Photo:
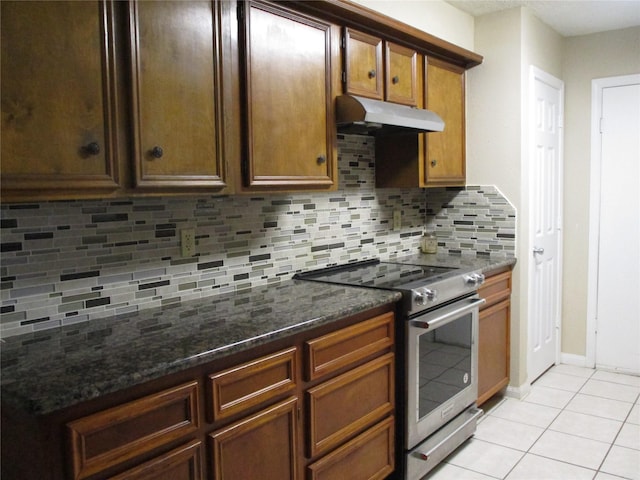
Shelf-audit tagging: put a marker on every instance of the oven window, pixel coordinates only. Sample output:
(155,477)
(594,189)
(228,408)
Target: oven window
(444,366)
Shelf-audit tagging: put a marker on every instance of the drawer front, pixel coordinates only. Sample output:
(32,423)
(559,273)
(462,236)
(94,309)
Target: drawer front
(238,388)
(108,438)
(346,405)
(261,446)
(183,463)
(369,456)
(345,347)
(496,288)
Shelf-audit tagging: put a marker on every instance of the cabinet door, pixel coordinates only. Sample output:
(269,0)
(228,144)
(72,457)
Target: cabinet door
(493,350)
(369,456)
(56,89)
(183,463)
(363,64)
(401,74)
(176,112)
(349,403)
(261,446)
(446,163)
(290,126)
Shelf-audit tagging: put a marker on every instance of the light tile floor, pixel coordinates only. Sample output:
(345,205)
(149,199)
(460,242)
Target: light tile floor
(577,423)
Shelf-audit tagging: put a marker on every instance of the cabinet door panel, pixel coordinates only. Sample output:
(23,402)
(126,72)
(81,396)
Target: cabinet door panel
(261,446)
(363,64)
(369,456)
(446,163)
(493,350)
(177,95)
(401,74)
(344,406)
(289,101)
(57,96)
(183,463)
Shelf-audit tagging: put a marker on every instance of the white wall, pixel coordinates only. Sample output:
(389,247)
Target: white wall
(432,16)
(497,129)
(585,58)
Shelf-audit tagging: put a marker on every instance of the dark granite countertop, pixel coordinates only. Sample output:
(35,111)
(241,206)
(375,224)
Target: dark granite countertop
(46,371)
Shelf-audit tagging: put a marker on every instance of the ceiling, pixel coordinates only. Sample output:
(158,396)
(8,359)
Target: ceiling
(567,17)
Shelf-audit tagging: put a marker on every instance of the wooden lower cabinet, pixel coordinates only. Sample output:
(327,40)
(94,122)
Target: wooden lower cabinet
(494,336)
(262,446)
(319,404)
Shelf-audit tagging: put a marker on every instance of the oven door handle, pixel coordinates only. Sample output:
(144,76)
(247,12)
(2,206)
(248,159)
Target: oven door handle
(448,314)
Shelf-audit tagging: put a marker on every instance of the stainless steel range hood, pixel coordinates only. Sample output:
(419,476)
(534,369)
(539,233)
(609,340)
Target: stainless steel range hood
(365,116)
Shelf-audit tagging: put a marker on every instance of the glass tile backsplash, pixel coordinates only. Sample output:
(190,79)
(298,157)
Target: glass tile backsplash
(72,261)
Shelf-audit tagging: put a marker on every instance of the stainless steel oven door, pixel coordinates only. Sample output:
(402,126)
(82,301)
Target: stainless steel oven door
(442,366)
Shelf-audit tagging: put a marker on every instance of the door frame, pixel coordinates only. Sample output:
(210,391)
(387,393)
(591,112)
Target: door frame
(536,73)
(597,87)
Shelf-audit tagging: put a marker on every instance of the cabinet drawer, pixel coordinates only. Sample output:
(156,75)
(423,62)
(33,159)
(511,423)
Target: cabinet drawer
(183,463)
(339,349)
(344,406)
(107,438)
(369,456)
(261,446)
(496,288)
(238,388)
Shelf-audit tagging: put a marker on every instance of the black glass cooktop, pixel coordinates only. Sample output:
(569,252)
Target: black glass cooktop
(376,274)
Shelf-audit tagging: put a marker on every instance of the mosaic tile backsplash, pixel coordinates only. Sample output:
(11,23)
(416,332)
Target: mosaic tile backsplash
(68,262)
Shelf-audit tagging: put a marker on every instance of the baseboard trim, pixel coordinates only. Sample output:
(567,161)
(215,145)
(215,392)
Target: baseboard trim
(518,392)
(575,360)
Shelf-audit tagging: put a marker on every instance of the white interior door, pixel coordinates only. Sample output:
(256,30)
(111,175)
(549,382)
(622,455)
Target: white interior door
(618,263)
(545,184)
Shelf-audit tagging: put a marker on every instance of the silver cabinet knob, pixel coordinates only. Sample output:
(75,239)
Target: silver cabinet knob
(538,250)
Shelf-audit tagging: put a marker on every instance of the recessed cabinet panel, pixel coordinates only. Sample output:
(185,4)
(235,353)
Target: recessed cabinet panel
(363,64)
(177,96)
(56,90)
(262,446)
(290,123)
(368,456)
(339,409)
(401,74)
(445,157)
(183,463)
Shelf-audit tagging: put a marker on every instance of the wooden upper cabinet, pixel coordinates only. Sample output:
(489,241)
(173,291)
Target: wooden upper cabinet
(56,90)
(177,100)
(445,151)
(289,61)
(363,64)
(401,74)
(379,69)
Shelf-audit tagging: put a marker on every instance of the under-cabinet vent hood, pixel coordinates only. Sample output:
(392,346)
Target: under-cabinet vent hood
(365,116)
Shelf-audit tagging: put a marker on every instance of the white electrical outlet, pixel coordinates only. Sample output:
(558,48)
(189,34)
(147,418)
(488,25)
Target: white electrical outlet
(188,242)
(397,219)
